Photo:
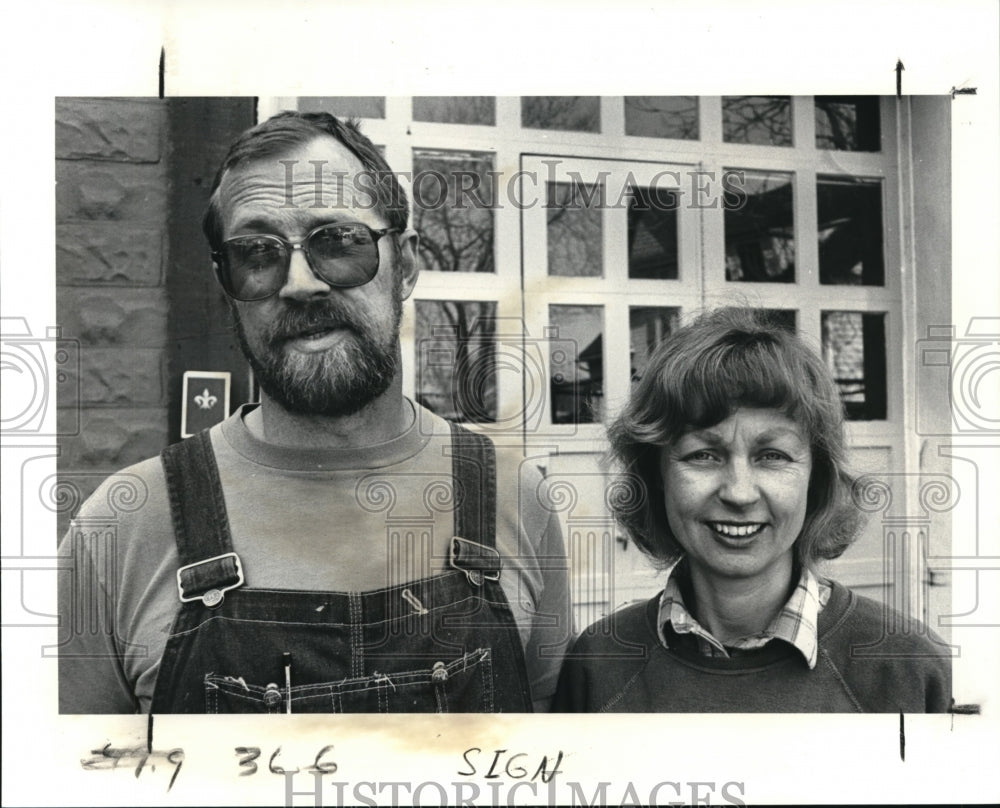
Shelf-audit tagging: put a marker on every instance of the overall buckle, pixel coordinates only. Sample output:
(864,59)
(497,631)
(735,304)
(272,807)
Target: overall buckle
(214,593)
(477,561)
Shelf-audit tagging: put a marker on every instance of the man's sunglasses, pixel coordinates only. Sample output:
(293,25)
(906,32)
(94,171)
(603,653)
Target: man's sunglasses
(341,255)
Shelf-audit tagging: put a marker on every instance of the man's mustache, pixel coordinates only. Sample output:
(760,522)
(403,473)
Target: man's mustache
(305,318)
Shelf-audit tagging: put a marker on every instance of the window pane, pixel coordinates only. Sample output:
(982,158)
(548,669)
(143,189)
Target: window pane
(453,210)
(576,364)
(848,122)
(574,230)
(647,327)
(652,233)
(473,109)
(572,113)
(673,116)
(760,241)
(850,231)
(764,120)
(456,359)
(345,106)
(782,318)
(854,349)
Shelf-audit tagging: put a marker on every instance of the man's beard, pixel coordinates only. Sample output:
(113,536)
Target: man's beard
(337,382)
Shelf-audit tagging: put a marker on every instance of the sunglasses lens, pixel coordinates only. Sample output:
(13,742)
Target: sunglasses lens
(344,254)
(256,267)
(253,267)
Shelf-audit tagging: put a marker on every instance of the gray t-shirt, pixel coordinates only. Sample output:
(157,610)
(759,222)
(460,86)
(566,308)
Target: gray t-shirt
(314,519)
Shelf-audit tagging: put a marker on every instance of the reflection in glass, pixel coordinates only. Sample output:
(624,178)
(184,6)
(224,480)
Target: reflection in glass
(574,229)
(854,350)
(456,359)
(763,120)
(848,122)
(760,237)
(647,327)
(453,196)
(576,364)
(571,113)
(344,106)
(849,213)
(671,116)
(652,233)
(469,109)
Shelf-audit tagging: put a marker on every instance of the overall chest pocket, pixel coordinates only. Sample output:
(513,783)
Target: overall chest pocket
(462,684)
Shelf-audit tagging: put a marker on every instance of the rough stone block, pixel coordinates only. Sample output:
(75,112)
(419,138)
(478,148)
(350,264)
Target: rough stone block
(112,438)
(127,130)
(106,253)
(119,376)
(88,191)
(130,318)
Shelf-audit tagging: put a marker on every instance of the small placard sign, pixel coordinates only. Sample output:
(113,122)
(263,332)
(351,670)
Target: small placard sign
(206,400)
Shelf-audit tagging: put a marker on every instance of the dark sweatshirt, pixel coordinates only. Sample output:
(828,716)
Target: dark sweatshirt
(871,659)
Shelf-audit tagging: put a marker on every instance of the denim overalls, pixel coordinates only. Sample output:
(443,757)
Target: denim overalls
(446,643)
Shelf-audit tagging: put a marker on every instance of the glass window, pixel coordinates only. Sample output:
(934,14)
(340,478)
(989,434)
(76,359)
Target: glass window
(469,109)
(848,123)
(652,233)
(647,327)
(763,120)
(854,349)
(671,116)
(456,359)
(345,106)
(576,364)
(571,113)
(849,213)
(760,236)
(453,195)
(574,229)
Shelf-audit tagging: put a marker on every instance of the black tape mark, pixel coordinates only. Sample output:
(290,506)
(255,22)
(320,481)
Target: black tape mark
(149,734)
(962,91)
(899,78)
(163,64)
(902,737)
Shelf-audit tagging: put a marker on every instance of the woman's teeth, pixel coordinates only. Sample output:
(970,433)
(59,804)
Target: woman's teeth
(736,531)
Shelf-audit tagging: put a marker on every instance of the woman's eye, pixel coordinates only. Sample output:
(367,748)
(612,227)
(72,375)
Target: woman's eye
(701,455)
(773,455)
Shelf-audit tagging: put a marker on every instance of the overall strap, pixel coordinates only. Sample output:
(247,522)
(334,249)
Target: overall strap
(473,466)
(209,566)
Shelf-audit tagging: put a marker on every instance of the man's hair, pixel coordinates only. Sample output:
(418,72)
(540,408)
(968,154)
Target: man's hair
(702,373)
(287,131)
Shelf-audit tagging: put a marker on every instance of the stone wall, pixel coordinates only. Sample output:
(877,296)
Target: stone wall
(112,192)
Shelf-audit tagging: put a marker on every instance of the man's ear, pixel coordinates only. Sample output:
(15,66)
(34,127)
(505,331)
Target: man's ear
(407,243)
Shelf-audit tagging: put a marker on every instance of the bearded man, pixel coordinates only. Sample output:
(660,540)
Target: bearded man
(268,568)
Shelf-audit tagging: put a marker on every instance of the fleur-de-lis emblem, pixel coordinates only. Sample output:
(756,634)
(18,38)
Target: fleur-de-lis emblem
(206,400)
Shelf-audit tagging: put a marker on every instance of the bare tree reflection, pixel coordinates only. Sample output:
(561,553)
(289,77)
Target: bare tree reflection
(453,196)
(464,109)
(662,116)
(758,119)
(574,113)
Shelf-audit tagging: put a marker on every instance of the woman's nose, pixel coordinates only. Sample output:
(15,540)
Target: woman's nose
(739,484)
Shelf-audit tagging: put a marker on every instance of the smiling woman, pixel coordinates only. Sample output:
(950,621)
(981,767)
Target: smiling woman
(735,437)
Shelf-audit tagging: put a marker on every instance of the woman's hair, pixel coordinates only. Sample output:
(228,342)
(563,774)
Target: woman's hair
(726,359)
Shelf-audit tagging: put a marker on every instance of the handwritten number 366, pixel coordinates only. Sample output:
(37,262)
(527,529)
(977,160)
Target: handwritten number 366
(249,754)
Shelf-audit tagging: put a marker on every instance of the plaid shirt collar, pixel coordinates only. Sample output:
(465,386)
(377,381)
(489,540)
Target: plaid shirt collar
(795,623)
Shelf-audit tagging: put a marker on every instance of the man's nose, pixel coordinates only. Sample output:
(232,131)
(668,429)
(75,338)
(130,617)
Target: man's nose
(302,283)
(739,484)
